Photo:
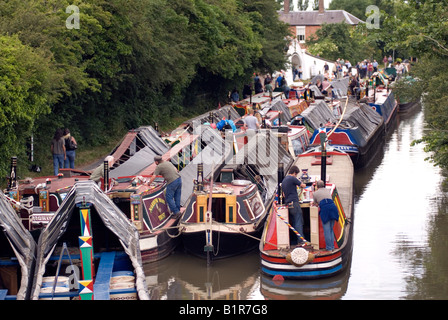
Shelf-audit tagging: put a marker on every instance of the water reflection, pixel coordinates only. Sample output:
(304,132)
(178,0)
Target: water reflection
(184,277)
(322,289)
(393,211)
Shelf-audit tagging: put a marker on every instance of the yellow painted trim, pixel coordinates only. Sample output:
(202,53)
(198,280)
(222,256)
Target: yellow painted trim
(231,203)
(201,203)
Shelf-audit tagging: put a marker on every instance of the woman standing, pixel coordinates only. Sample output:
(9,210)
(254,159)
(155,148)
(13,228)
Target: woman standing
(70,149)
(58,150)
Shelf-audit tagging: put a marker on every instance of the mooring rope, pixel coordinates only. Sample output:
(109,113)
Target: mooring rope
(292,228)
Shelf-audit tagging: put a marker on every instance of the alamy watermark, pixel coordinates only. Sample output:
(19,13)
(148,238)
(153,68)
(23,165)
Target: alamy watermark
(373,17)
(214,147)
(72,22)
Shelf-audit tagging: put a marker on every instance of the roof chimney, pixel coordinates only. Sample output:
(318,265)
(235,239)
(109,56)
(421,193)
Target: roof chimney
(286,6)
(321,6)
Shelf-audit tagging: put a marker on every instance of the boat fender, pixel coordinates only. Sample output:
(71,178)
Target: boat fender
(278,279)
(299,257)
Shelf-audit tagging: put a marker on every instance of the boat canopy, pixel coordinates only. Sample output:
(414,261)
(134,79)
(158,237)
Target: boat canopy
(277,105)
(88,192)
(318,114)
(340,87)
(263,153)
(137,149)
(20,241)
(215,154)
(217,115)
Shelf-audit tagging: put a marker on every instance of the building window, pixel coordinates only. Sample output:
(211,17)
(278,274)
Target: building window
(300,31)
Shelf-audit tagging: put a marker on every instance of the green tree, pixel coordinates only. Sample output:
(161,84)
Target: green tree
(26,91)
(134,63)
(421,30)
(341,40)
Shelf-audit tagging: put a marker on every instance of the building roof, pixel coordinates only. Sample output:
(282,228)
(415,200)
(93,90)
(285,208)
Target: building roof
(315,18)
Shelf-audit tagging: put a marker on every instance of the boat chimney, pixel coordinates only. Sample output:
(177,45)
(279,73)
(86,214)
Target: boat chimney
(323,164)
(280,177)
(200,186)
(106,175)
(210,115)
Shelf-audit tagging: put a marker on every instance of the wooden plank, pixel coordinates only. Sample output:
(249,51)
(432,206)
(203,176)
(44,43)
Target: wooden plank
(124,145)
(101,287)
(282,228)
(340,173)
(314,227)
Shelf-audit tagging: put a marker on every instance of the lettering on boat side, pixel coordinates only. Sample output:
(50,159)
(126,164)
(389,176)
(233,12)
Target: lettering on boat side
(233,309)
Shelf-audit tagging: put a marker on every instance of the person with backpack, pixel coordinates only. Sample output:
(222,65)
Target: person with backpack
(70,149)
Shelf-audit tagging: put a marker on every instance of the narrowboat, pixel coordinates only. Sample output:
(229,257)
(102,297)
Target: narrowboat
(359,131)
(17,254)
(89,251)
(279,259)
(382,100)
(145,206)
(40,197)
(406,104)
(224,215)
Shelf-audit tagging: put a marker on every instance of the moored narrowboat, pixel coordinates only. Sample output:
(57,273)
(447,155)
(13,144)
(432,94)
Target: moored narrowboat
(225,214)
(145,206)
(86,244)
(17,254)
(360,133)
(281,260)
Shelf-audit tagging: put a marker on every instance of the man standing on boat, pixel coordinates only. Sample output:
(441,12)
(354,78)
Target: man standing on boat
(250,121)
(174,183)
(98,173)
(289,188)
(328,213)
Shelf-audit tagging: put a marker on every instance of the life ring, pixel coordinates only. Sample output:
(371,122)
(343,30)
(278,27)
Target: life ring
(299,257)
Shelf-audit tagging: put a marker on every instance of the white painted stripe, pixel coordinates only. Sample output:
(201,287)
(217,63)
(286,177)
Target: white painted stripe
(309,266)
(148,243)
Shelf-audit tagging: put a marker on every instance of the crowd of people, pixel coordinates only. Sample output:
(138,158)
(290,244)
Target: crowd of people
(262,83)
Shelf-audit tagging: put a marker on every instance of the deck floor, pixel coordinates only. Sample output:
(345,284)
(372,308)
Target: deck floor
(340,172)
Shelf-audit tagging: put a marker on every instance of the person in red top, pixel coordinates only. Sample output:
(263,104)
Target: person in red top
(369,69)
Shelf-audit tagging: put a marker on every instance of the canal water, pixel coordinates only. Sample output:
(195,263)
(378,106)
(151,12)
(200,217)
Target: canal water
(400,240)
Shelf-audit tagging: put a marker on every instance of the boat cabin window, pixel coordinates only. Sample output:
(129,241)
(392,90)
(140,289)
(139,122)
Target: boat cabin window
(226,176)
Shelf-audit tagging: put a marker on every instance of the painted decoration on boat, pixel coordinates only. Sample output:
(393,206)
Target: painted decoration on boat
(156,209)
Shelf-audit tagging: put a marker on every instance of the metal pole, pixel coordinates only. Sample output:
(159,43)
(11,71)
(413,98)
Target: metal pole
(106,175)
